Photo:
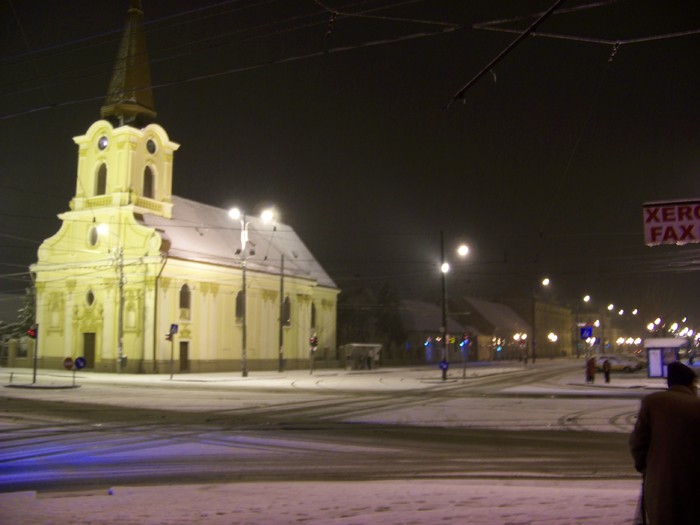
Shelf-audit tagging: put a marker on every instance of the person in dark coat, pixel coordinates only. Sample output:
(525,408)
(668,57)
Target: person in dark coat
(590,370)
(664,446)
(606,370)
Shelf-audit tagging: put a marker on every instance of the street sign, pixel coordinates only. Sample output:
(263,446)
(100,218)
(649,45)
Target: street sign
(586,332)
(68,363)
(674,222)
(80,363)
(173,329)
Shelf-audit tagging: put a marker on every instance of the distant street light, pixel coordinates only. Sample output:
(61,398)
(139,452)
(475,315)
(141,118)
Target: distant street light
(545,282)
(462,250)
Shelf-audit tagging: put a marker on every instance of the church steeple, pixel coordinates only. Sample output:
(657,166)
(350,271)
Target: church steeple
(130,98)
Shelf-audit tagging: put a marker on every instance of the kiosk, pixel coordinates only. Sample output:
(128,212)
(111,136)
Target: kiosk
(660,353)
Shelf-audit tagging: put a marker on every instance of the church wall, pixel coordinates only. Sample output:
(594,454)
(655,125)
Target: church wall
(212,332)
(78,311)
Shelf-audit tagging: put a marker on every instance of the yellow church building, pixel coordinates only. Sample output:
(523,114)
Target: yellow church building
(131,262)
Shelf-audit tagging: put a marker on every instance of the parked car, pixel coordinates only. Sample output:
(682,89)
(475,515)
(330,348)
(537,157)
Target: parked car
(618,363)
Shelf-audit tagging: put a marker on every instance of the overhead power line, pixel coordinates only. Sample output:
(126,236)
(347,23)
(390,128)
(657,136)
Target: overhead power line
(505,52)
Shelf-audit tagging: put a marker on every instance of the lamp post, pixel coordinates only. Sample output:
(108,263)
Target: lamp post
(545,282)
(462,250)
(280,365)
(578,329)
(238,215)
(103,229)
(268,216)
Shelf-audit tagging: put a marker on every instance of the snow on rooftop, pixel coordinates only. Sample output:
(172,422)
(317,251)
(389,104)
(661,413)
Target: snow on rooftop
(502,317)
(204,233)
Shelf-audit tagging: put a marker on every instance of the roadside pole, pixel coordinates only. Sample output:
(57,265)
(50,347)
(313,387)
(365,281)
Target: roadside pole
(170,336)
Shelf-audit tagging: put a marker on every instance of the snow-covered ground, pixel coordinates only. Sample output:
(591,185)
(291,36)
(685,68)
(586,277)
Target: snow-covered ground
(459,501)
(477,502)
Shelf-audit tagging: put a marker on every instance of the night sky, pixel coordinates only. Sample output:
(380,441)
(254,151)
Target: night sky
(347,123)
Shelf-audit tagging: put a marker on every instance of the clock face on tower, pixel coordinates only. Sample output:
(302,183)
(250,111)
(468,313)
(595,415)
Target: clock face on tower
(102,143)
(151,146)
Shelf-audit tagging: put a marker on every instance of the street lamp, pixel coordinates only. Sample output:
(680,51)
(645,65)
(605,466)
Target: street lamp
(237,215)
(545,282)
(103,229)
(553,338)
(463,251)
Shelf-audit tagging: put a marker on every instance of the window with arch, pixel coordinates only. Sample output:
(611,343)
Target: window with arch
(101,180)
(185,301)
(240,305)
(148,182)
(313,315)
(287,312)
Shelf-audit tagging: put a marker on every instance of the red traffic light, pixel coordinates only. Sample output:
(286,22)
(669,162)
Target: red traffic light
(32,332)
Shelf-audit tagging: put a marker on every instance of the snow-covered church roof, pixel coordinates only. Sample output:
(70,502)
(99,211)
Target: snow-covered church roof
(203,233)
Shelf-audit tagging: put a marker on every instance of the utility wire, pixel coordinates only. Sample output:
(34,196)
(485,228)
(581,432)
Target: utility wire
(504,53)
(231,71)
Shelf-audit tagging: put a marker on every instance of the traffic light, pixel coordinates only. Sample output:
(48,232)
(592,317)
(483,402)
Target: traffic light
(33,331)
(313,341)
(465,340)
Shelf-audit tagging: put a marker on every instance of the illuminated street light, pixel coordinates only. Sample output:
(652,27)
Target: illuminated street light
(586,298)
(463,250)
(545,282)
(238,215)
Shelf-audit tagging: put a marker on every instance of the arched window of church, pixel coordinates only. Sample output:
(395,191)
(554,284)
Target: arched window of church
(240,305)
(287,312)
(148,182)
(313,315)
(101,181)
(185,299)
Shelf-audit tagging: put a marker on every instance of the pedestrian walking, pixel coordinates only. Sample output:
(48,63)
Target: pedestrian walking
(590,370)
(664,446)
(606,370)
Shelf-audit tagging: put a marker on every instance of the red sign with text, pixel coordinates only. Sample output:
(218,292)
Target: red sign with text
(676,222)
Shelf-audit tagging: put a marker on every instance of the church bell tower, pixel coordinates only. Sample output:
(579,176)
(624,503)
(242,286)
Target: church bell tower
(95,278)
